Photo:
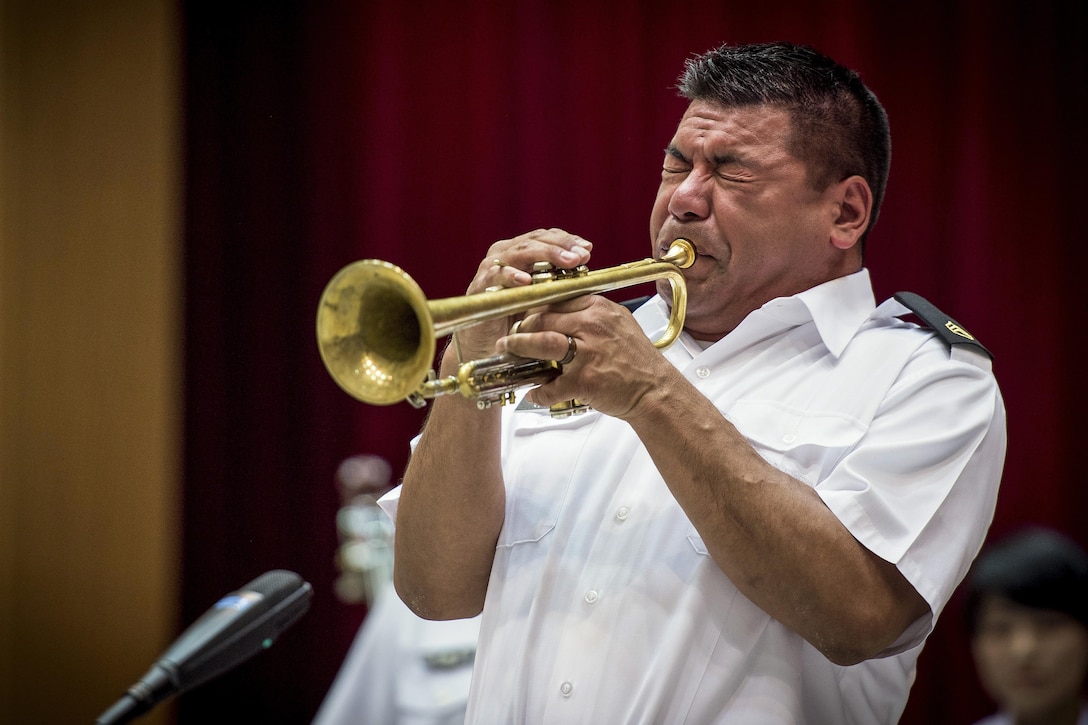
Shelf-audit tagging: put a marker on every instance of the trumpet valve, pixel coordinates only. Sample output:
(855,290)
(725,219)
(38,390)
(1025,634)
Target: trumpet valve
(567,408)
(547,272)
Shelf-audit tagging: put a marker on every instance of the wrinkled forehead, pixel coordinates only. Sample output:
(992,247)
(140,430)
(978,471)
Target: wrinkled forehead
(715,129)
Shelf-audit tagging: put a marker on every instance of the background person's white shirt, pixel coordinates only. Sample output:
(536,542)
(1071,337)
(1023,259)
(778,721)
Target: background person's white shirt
(403,670)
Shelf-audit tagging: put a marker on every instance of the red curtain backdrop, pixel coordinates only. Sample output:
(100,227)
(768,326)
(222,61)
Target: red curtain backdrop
(419,132)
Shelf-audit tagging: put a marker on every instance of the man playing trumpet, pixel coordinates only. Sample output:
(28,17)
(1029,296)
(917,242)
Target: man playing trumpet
(760,523)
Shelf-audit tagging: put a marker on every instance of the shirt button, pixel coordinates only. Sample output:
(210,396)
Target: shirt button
(622,513)
(591,596)
(789,438)
(703,373)
(566,688)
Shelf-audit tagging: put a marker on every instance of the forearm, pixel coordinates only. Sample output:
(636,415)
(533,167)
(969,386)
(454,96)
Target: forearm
(771,534)
(453,498)
(450,511)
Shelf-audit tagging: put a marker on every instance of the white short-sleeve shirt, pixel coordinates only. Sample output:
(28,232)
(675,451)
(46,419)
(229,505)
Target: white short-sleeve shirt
(403,670)
(603,605)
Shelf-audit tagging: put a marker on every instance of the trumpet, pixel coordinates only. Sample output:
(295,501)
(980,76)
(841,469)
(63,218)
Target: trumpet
(376,330)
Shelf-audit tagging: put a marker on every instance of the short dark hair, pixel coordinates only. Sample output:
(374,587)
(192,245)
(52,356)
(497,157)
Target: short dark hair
(839,128)
(1036,568)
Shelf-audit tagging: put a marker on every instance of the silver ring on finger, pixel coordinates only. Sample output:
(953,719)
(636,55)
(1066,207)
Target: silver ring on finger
(572,350)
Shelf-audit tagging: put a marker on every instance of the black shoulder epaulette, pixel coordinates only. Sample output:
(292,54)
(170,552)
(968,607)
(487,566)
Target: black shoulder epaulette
(635,303)
(948,329)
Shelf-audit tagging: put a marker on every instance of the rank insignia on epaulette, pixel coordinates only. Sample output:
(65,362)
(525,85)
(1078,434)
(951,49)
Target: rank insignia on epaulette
(952,332)
(957,330)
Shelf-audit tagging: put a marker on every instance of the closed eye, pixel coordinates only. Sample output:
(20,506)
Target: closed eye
(731,168)
(675,162)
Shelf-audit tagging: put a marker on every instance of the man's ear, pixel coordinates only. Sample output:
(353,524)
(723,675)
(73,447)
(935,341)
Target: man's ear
(854,206)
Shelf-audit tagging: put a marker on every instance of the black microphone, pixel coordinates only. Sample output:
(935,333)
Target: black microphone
(239,626)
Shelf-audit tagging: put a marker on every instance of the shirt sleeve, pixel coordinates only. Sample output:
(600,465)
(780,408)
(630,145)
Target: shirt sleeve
(920,488)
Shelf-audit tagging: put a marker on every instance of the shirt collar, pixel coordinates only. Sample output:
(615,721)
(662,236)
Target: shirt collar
(838,308)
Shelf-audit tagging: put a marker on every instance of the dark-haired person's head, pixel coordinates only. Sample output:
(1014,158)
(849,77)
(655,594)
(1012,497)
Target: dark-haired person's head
(1027,614)
(840,129)
(775,173)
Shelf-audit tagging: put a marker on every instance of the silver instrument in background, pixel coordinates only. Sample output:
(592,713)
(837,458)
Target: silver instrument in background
(365,554)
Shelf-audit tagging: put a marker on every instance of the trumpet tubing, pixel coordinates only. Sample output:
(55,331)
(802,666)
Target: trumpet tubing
(376,330)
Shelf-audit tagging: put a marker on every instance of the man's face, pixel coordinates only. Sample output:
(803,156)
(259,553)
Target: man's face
(1033,662)
(730,186)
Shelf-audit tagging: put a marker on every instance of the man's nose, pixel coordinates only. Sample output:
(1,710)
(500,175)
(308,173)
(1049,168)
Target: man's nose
(691,199)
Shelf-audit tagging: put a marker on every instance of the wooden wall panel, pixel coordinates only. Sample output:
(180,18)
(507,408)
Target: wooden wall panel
(89,351)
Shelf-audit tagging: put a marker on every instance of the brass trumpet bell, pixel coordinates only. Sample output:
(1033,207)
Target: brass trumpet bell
(376,331)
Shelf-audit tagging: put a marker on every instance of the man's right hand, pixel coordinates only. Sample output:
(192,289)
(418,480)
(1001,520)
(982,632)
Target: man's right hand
(508,264)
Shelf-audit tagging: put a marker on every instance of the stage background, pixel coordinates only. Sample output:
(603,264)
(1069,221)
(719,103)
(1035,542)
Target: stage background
(313,134)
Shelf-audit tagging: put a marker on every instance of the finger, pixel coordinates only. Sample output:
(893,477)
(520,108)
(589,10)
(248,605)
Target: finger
(558,238)
(553,311)
(548,345)
(528,323)
(572,351)
(564,316)
(554,246)
(501,274)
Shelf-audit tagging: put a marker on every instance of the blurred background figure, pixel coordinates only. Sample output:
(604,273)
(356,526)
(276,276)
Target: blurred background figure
(365,556)
(400,670)
(1027,615)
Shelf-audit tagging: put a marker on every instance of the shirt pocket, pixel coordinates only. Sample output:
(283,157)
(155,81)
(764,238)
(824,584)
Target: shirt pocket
(806,444)
(537,479)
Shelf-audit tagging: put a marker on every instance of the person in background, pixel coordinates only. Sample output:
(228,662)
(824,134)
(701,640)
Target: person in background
(400,669)
(1027,615)
(403,670)
(760,523)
